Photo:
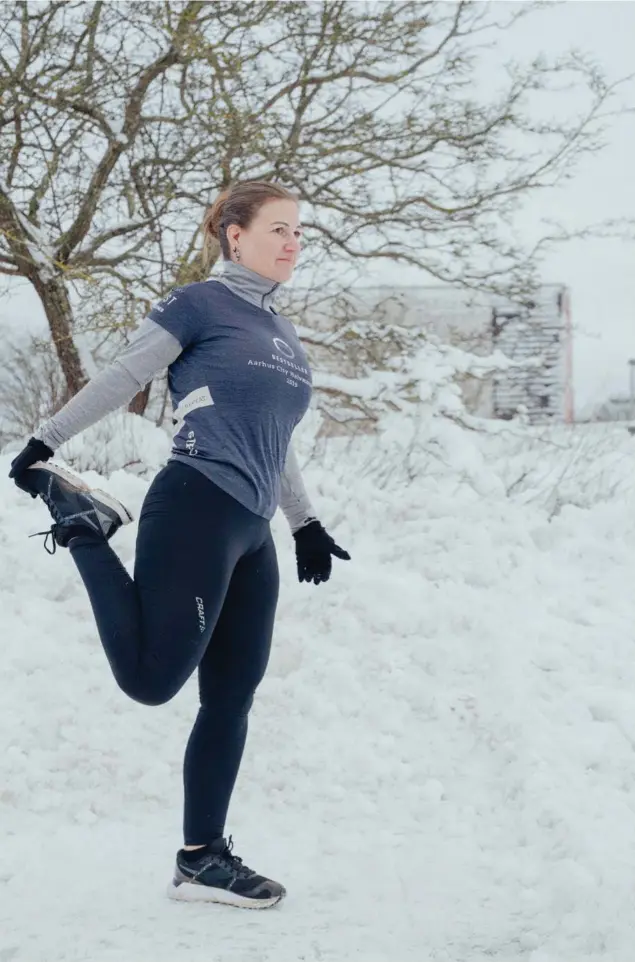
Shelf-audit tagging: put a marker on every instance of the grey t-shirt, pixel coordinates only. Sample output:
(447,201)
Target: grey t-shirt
(239,388)
(180,339)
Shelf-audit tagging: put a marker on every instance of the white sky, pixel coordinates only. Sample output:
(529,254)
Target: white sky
(600,273)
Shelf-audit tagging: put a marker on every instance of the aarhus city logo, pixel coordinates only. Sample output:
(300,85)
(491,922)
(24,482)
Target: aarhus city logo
(284,348)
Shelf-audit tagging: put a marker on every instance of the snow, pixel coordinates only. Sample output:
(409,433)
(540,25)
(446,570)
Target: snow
(38,246)
(441,759)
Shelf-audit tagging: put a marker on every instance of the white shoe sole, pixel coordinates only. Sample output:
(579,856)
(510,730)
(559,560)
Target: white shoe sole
(193,892)
(120,509)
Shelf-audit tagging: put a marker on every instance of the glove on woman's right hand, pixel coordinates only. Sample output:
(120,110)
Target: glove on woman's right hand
(34,451)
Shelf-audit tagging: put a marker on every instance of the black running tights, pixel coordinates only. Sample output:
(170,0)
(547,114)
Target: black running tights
(204,596)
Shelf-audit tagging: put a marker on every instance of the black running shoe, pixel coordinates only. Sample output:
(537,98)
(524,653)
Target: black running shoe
(76,508)
(220,876)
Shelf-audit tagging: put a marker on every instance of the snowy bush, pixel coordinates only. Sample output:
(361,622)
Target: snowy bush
(364,369)
(120,441)
(413,398)
(424,435)
(558,465)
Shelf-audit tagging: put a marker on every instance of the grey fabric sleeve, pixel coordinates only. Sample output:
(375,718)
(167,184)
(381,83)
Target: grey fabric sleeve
(294,501)
(151,350)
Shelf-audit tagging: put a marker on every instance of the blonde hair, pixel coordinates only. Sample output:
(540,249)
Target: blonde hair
(237,204)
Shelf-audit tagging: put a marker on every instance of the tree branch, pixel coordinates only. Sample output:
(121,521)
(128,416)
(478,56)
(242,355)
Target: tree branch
(81,225)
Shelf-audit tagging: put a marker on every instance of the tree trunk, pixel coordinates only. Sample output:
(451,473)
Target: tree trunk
(58,312)
(139,402)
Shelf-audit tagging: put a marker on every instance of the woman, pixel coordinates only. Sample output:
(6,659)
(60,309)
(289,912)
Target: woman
(205,584)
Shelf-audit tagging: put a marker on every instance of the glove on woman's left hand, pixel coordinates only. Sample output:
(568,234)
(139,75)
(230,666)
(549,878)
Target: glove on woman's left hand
(313,550)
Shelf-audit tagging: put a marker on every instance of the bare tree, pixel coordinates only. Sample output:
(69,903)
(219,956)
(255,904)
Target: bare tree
(31,387)
(120,121)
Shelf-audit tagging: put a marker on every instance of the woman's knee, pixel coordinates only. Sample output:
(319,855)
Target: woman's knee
(150,692)
(227,701)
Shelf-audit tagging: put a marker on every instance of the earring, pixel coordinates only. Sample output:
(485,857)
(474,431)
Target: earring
(237,253)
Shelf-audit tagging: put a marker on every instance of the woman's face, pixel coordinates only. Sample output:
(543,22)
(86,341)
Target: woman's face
(272,245)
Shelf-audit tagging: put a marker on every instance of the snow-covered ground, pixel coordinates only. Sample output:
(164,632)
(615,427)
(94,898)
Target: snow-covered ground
(441,760)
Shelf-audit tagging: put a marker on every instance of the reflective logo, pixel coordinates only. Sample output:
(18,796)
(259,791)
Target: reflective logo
(283,347)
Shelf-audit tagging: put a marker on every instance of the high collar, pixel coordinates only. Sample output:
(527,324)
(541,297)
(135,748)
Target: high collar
(255,288)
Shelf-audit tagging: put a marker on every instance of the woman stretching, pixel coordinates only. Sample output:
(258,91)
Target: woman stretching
(205,582)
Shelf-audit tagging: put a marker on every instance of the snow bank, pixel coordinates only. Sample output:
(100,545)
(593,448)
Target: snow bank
(441,761)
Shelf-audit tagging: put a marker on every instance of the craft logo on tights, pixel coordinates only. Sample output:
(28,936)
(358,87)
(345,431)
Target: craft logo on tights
(200,610)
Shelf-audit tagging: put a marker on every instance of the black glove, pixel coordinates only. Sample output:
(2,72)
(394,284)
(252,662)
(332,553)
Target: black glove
(313,550)
(34,451)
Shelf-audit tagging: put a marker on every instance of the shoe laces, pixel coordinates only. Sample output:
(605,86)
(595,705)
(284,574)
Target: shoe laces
(235,862)
(57,515)
(48,534)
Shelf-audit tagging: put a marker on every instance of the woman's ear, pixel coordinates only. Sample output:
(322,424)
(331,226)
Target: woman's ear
(233,234)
